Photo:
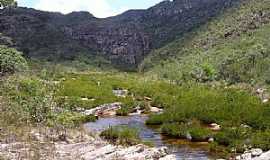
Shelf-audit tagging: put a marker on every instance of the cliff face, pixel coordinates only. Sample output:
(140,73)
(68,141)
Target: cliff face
(124,39)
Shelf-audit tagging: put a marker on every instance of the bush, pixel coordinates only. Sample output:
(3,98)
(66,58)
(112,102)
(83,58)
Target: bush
(11,61)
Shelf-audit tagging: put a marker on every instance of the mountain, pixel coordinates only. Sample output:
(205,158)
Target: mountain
(233,47)
(124,39)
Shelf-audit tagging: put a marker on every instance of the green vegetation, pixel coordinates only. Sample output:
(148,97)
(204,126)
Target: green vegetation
(122,135)
(7,3)
(233,47)
(11,61)
(193,86)
(231,108)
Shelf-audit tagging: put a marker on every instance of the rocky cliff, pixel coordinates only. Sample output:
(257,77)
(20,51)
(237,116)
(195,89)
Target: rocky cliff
(124,39)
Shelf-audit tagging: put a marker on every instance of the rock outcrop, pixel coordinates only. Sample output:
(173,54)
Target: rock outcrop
(82,147)
(124,39)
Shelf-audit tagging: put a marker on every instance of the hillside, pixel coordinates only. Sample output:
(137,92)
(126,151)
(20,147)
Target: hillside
(124,39)
(233,47)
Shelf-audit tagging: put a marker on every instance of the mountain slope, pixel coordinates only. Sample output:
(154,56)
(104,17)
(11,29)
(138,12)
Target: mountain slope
(124,39)
(233,47)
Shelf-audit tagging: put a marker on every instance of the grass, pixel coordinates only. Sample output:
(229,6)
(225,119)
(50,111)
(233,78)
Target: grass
(52,101)
(197,132)
(122,135)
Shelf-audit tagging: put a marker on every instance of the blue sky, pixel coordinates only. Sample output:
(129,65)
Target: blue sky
(100,8)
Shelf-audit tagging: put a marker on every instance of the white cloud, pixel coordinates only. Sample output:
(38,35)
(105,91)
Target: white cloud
(99,8)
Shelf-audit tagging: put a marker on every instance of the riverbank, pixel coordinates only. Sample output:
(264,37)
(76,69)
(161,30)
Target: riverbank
(49,144)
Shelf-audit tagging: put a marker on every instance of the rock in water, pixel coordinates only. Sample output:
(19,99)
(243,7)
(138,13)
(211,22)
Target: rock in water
(105,109)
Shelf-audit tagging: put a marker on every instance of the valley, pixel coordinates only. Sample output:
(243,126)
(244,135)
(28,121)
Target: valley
(180,80)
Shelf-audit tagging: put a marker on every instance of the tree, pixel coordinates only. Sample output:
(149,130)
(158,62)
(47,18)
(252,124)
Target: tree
(7,3)
(11,61)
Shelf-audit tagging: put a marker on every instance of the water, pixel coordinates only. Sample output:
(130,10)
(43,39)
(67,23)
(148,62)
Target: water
(182,149)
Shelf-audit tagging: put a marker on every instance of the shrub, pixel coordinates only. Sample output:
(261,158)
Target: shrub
(11,61)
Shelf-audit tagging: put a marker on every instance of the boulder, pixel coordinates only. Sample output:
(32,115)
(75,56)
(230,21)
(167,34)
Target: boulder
(263,156)
(256,152)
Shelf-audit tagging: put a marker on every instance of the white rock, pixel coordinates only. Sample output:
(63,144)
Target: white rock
(155,110)
(264,156)
(211,139)
(265,100)
(120,93)
(215,127)
(256,152)
(84,99)
(188,136)
(246,156)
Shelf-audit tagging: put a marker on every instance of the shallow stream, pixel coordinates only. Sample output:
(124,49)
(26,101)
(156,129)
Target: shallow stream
(181,148)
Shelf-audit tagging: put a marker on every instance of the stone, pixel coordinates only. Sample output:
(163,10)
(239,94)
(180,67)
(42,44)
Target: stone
(210,140)
(105,109)
(246,156)
(256,152)
(265,100)
(263,156)
(215,127)
(188,136)
(84,99)
(120,93)
(155,110)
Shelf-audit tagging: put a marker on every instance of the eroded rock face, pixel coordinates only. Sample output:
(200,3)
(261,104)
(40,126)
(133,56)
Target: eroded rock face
(124,39)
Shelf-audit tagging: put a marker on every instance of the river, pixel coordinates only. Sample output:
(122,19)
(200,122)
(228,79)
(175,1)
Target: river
(181,148)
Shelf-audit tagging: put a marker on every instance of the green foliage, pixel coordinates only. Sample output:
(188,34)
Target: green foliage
(30,94)
(232,47)
(122,135)
(261,139)
(71,119)
(175,130)
(11,61)
(198,133)
(7,3)
(123,111)
(228,136)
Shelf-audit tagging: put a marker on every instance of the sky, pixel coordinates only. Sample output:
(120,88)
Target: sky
(99,8)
